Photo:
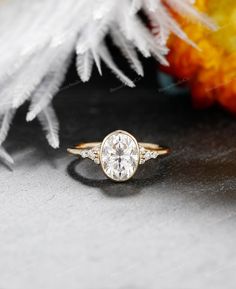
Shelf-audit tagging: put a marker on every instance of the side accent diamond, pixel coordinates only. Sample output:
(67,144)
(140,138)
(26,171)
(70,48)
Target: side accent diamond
(146,155)
(92,154)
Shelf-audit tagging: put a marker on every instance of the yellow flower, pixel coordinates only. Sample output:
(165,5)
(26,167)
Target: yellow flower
(212,70)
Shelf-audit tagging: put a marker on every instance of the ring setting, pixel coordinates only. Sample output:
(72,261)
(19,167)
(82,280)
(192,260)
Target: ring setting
(119,154)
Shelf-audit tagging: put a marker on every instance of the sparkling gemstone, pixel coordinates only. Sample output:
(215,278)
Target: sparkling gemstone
(119,156)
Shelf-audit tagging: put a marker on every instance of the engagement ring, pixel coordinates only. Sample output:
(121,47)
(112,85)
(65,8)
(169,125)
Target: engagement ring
(119,154)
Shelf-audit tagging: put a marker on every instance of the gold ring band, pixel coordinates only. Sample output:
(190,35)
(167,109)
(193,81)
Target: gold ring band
(119,154)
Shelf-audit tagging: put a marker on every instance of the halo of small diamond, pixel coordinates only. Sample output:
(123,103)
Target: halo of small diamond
(119,156)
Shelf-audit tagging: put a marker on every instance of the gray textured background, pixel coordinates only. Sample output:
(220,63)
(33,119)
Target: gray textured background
(63,226)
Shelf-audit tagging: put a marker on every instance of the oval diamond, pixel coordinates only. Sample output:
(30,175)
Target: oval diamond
(119,156)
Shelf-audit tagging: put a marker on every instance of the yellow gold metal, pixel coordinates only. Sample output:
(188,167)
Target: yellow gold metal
(155,148)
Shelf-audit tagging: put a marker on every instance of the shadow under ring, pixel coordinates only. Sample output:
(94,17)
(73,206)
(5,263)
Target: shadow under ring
(101,183)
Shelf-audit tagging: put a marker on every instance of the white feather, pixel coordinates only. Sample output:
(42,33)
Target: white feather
(49,86)
(128,51)
(23,86)
(136,6)
(37,37)
(84,65)
(106,57)
(5,124)
(5,157)
(152,5)
(185,8)
(97,61)
(169,25)
(50,125)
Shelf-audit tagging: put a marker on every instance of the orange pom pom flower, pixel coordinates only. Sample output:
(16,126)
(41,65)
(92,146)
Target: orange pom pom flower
(211,70)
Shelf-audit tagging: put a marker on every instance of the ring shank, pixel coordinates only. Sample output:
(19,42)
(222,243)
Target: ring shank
(155,148)
(148,146)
